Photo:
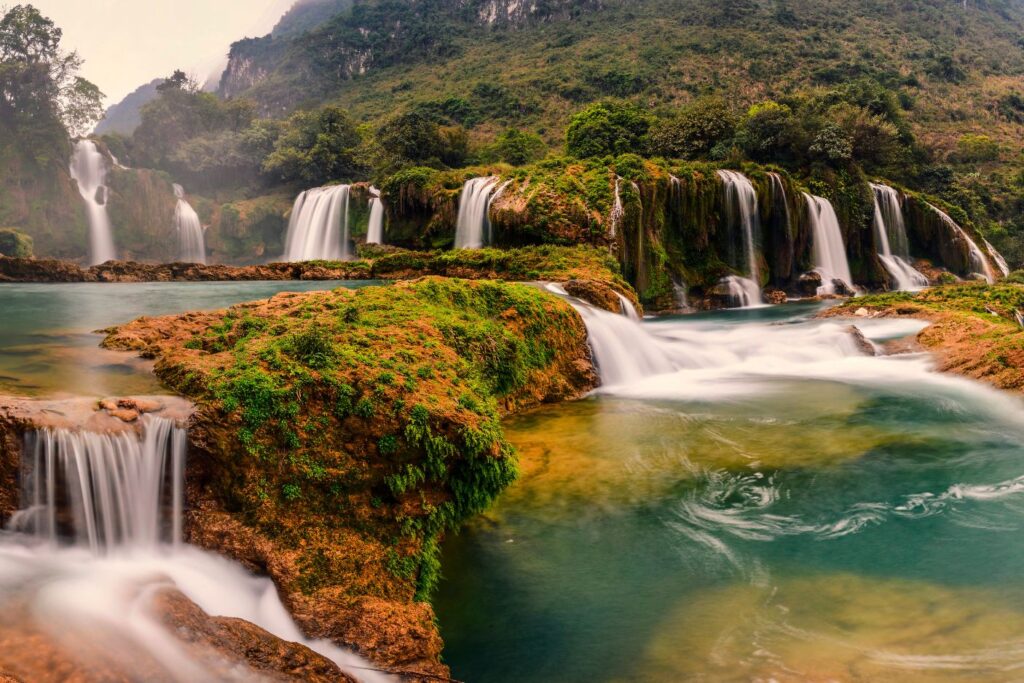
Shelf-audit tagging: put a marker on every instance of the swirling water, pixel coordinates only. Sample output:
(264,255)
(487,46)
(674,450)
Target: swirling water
(767,503)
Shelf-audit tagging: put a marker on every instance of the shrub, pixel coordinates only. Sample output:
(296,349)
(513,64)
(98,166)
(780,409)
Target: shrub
(971,148)
(15,243)
(695,130)
(607,128)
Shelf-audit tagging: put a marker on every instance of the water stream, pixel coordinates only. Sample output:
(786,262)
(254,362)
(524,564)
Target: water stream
(742,213)
(89,169)
(473,230)
(189,229)
(829,250)
(319,225)
(893,246)
(750,496)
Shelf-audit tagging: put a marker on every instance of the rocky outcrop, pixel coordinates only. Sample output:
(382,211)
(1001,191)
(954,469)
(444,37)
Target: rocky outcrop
(338,434)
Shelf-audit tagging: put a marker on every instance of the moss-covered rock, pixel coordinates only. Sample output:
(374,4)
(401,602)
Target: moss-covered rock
(15,243)
(339,434)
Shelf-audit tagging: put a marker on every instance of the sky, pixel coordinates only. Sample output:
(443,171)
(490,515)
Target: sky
(126,43)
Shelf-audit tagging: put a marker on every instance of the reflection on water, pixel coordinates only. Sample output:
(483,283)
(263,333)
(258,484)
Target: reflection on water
(832,516)
(49,345)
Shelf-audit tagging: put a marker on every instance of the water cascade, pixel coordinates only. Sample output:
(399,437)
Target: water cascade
(191,243)
(741,209)
(1004,267)
(89,169)
(893,246)
(375,231)
(319,225)
(118,499)
(473,230)
(618,211)
(978,263)
(829,251)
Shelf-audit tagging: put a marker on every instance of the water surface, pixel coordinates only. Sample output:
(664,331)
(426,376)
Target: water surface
(778,507)
(49,344)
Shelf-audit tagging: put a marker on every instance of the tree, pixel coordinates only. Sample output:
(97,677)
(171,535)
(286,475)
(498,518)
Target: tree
(694,131)
(607,128)
(517,147)
(768,132)
(40,89)
(316,147)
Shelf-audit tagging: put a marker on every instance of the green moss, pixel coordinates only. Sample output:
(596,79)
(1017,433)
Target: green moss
(15,243)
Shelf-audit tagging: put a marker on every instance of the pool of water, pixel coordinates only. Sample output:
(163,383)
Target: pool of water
(49,344)
(779,507)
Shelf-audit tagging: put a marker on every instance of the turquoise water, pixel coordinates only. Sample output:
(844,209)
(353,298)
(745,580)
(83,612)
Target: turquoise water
(48,339)
(780,509)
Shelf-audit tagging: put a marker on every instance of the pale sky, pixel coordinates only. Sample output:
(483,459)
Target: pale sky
(126,43)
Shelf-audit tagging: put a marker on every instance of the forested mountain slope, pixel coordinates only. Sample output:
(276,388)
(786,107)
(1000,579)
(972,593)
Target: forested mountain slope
(488,63)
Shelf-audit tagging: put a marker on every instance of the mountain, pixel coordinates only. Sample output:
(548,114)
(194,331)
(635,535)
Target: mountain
(124,117)
(959,66)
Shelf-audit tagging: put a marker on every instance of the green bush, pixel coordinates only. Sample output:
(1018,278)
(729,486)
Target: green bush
(15,243)
(607,128)
(694,131)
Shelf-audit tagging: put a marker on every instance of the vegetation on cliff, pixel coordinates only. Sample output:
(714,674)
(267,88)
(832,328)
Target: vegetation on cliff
(347,430)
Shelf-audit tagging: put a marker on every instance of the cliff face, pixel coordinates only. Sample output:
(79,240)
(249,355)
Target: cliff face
(339,434)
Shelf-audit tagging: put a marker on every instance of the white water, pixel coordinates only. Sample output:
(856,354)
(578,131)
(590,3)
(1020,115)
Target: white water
(375,231)
(893,246)
(1004,267)
(618,212)
(89,169)
(741,209)
(978,263)
(743,292)
(319,226)
(829,251)
(117,499)
(191,241)
(473,230)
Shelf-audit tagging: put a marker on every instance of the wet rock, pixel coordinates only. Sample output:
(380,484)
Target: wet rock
(775,296)
(599,294)
(864,345)
(809,283)
(141,405)
(124,414)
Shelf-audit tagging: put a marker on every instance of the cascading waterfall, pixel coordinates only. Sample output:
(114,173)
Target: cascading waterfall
(319,226)
(375,231)
(1001,263)
(191,242)
(114,485)
(473,230)
(894,248)
(829,251)
(104,514)
(741,210)
(618,211)
(89,169)
(978,263)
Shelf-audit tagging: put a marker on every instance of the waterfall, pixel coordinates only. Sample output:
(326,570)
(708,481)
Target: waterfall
(89,169)
(473,230)
(829,252)
(894,248)
(741,209)
(375,231)
(618,212)
(191,243)
(978,263)
(1004,268)
(117,500)
(318,228)
(627,307)
(119,489)
(742,292)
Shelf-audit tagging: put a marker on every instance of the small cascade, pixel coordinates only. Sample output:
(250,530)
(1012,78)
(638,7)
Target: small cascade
(89,169)
(375,231)
(679,294)
(473,230)
(618,211)
(1000,262)
(742,292)
(108,510)
(978,263)
(319,226)
(623,350)
(829,251)
(741,210)
(104,490)
(191,242)
(627,307)
(893,246)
